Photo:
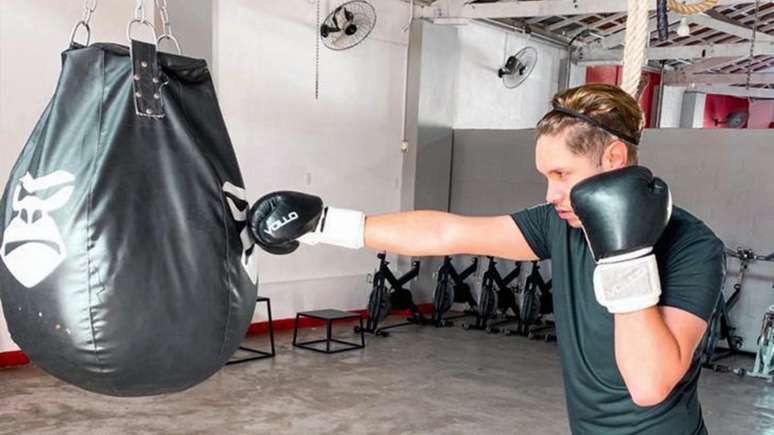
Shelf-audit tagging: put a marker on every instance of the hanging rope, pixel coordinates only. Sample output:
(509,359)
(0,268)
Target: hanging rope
(691,9)
(634,45)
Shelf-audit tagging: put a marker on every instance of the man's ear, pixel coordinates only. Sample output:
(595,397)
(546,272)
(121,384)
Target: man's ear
(616,155)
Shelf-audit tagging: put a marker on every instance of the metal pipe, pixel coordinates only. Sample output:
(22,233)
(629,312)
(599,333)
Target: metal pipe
(660,104)
(407,28)
(557,42)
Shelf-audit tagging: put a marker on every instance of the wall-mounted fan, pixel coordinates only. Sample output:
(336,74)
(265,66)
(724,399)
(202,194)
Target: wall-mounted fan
(735,119)
(348,25)
(518,67)
(344,27)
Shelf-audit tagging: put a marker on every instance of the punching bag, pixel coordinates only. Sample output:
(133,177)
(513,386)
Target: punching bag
(127,268)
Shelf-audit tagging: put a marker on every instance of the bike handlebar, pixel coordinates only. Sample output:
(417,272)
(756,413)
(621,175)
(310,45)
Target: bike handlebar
(749,255)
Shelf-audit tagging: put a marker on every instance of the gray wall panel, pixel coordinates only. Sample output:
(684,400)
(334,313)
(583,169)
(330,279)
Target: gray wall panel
(721,176)
(494,172)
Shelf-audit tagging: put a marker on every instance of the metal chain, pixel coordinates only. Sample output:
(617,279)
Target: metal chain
(165,22)
(89,6)
(752,46)
(317,55)
(139,12)
(140,19)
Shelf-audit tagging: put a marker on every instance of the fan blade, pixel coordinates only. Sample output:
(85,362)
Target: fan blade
(342,17)
(335,17)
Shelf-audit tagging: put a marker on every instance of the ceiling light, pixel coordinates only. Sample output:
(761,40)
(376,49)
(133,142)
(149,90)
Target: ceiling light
(683,29)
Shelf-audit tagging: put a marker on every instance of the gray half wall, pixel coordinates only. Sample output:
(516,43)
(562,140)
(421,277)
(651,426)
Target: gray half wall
(722,176)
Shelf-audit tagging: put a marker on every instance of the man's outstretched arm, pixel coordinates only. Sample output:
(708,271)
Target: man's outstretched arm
(280,220)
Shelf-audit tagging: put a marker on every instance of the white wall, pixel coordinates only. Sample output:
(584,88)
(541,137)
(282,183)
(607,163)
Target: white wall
(481,100)
(671,107)
(344,146)
(192,25)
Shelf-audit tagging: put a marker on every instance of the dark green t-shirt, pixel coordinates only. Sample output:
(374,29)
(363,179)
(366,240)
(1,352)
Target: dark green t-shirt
(691,266)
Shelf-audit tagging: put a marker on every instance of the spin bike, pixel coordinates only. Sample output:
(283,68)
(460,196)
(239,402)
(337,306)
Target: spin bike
(536,302)
(382,299)
(452,288)
(496,296)
(720,327)
(764,358)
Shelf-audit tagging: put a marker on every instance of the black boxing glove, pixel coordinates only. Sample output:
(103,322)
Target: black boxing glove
(280,220)
(623,213)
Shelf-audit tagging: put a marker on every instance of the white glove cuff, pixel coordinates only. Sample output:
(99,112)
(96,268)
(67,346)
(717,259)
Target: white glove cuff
(339,227)
(627,286)
(624,257)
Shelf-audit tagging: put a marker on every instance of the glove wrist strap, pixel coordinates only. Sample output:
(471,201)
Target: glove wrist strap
(627,286)
(338,227)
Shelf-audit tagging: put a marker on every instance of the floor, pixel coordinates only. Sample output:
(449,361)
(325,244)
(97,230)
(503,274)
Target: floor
(419,380)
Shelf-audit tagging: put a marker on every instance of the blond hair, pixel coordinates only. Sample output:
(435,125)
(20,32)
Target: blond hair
(607,104)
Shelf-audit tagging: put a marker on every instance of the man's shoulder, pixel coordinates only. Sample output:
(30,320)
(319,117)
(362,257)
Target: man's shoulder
(687,232)
(544,212)
(539,225)
(691,263)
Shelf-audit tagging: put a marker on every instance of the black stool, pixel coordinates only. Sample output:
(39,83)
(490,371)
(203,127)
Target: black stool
(258,354)
(329,315)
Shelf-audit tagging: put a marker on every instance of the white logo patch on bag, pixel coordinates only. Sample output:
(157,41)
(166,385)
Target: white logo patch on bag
(32,243)
(237,203)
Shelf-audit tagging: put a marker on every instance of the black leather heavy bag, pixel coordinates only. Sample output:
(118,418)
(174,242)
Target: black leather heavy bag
(126,266)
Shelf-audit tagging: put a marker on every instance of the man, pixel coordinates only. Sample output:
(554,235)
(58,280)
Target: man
(634,279)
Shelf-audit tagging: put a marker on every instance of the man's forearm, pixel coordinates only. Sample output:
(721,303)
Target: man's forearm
(648,355)
(417,233)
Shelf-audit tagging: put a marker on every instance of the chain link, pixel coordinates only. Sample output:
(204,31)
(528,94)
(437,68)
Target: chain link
(89,6)
(139,12)
(752,46)
(166,24)
(317,55)
(163,12)
(140,19)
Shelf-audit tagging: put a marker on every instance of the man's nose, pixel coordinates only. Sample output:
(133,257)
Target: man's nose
(553,194)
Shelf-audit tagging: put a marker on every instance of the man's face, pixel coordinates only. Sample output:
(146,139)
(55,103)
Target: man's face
(563,170)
